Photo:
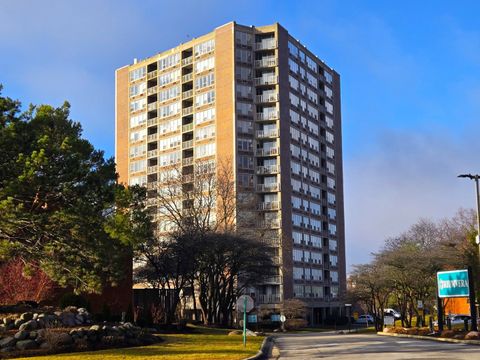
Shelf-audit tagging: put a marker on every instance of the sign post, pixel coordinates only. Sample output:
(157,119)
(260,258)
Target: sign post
(244,304)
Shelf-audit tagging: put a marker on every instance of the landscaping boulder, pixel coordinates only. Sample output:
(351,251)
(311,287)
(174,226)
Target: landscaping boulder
(63,339)
(7,342)
(473,335)
(26,345)
(18,322)
(3,328)
(21,335)
(448,333)
(29,325)
(7,349)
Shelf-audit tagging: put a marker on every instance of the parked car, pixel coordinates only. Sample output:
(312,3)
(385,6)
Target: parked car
(364,319)
(392,312)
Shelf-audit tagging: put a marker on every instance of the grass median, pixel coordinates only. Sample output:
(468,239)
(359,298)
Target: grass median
(204,344)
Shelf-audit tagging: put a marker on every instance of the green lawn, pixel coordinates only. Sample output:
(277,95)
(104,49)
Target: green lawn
(205,344)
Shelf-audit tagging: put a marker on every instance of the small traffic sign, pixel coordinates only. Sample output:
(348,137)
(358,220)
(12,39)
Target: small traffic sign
(245,303)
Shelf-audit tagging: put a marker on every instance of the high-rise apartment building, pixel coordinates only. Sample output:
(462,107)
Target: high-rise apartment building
(261,98)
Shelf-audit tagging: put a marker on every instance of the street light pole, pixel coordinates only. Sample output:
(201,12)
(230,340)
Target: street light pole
(477,190)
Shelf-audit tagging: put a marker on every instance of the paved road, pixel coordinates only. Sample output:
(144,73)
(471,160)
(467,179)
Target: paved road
(357,346)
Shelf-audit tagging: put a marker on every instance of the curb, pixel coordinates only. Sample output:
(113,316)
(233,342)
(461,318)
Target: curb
(419,337)
(264,349)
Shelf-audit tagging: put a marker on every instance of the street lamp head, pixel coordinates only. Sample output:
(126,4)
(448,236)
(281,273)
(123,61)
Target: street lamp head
(469,176)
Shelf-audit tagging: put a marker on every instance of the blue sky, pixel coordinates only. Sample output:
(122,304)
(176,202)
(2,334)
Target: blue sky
(410,85)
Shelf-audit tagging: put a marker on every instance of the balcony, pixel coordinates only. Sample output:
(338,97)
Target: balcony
(152,137)
(266,62)
(187,61)
(187,127)
(271,115)
(268,299)
(152,106)
(270,224)
(187,144)
(268,169)
(187,77)
(152,121)
(268,187)
(277,260)
(152,201)
(267,206)
(187,161)
(152,169)
(152,185)
(152,153)
(187,94)
(152,74)
(188,178)
(152,90)
(266,98)
(265,134)
(266,80)
(266,45)
(267,152)
(276,279)
(187,111)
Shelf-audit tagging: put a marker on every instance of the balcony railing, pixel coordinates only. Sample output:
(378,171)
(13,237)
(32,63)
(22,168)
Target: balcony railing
(267,152)
(151,90)
(188,178)
(187,111)
(272,115)
(187,77)
(187,144)
(187,161)
(152,153)
(187,127)
(272,205)
(152,121)
(272,133)
(266,45)
(270,224)
(152,106)
(276,279)
(152,74)
(152,169)
(268,169)
(187,61)
(266,80)
(268,299)
(152,185)
(152,137)
(152,201)
(187,94)
(266,98)
(268,187)
(266,62)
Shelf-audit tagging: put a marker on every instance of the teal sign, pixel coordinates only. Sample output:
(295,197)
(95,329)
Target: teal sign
(453,283)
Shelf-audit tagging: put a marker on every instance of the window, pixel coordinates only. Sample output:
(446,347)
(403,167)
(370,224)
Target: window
(298,291)
(137,73)
(243,55)
(329,107)
(294,116)
(328,77)
(170,142)
(245,109)
(204,65)
(293,82)
(169,77)
(205,98)
(136,166)
(314,175)
(204,132)
(316,257)
(312,127)
(297,237)
(312,111)
(312,65)
(205,150)
(316,274)
(316,241)
(293,66)
(138,105)
(204,47)
(245,144)
(333,260)
(292,49)
(297,219)
(245,127)
(297,255)
(295,167)
(330,152)
(312,96)
(329,121)
(138,180)
(138,150)
(296,202)
(169,126)
(294,133)
(168,61)
(332,214)
(170,158)
(315,192)
(334,276)
(330,167)
(332,244)
(138,120)
(315,208)
(243,73)
(298,273)
(204,116)
(243,38)
(245,180)
(331,183)
(313,143)
(328,91)
(301,56)
(296,185)
(204,81)
(331,198)
(244,91)
(138,89)
(245,162)
(312,80)
(329,137)
(169,110)
(169,93)
(294,100)
(138,135)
